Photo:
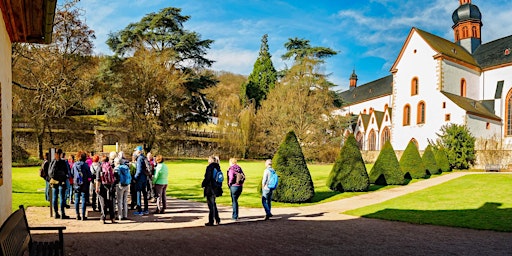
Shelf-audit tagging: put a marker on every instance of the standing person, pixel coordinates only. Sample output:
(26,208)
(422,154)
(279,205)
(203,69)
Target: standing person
(236,178)
(123,185)
(105,189)
(58,172)
(151,189)
(70,193)
(81,184)
(160,184)
(95,171)
(211,191)
(266,191)
(133,189)
(141,178)
(43,173)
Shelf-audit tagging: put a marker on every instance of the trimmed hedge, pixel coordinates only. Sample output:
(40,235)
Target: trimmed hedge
(349,171)
(442,160)
(295,183)
(412,164)
(386,170)
(429,160)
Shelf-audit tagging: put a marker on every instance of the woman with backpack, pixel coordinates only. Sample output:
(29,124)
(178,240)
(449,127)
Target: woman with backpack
(81,182)
(123,185)
(211,190)
(160,184)
(105,190)
(236,178)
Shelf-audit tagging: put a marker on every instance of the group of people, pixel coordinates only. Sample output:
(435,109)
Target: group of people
(212,187)
(104,182)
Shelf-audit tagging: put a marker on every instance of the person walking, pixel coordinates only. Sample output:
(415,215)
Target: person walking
(211,191)
(141,178)
(58,172)
(122,187)
(160,180)
(81,184)
(236,177)
(266,192)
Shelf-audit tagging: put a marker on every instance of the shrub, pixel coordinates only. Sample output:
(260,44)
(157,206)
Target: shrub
(411,164)
(429,160)
(459,145)
(386,170)
(295,183)
(442,159)
(349,171)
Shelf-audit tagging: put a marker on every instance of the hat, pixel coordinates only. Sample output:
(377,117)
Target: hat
(138,148)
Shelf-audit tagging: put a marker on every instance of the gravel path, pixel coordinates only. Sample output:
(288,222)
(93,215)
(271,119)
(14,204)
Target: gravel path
(312,230)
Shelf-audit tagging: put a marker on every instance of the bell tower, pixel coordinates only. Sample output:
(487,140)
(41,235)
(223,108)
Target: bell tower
(353,80)
(467,25)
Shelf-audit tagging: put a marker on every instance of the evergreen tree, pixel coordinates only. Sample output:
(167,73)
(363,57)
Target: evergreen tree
(429,160)
(349,171)
(411,163)
(442,159)
(459,145)
(386,170)
(295,183)
(262,79)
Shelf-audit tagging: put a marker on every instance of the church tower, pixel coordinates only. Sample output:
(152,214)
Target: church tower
(467,27)
(353,80)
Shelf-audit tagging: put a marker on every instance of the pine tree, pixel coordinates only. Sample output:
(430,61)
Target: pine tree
(386,170)
(295,183)
(349,171)
(262,79)
(429,160)
(412,164)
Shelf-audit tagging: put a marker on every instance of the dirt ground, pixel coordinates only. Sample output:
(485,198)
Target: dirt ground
(313,230)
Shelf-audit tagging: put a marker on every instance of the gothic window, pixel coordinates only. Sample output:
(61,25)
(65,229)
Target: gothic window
(414,86)
(508,114)
(421,112)
(360,140)
(463,87)
(372,141)
(386,136)
(407,115)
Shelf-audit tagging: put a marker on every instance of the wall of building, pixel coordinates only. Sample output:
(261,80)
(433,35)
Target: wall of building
(452,76)
(377,104)
(6,120)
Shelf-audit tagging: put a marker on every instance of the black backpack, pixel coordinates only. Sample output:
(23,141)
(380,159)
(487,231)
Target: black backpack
(58,170)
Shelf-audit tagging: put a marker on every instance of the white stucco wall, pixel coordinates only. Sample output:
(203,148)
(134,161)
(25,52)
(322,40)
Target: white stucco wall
(452,76)
(377,104)
(6,83)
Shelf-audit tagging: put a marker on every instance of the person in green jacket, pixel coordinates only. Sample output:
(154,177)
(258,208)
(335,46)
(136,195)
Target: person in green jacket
(160,184)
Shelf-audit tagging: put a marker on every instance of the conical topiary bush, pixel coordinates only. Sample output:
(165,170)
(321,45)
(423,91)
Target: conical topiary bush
(429,160)
(349,171)
(295,183)
(411,163)
(386,170)
(442,160)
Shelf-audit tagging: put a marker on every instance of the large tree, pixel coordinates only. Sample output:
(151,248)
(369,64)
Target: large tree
(262,78)
(159,75)
(53,79)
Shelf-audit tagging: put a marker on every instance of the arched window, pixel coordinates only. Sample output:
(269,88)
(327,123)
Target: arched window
(372,140)
(473,31)
(414,86)
(421,112)
(360,140)
(385,136)
(465,32)
(463,87)
(508,114)
(457,35)
(407,115)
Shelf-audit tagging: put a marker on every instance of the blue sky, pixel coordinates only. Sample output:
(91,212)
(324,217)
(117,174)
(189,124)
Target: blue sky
(367,35)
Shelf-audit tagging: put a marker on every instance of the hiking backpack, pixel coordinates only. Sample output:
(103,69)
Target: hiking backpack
(240,176)
(218,177)
(273,180)
(125,178)
(56,170)
(107,174)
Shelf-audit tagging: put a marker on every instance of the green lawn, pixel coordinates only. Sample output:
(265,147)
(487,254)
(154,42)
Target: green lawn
(478,201)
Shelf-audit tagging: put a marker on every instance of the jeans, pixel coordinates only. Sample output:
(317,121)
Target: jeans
(69,191)
(107,205)
(160,194)
(47,191)
(266,200)
(212,207)
(142,192)
(236,191)
(80,196)
(59,190)
(122,201)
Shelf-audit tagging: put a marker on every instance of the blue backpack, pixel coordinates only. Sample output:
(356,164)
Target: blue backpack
(124,175)
(273,180)
(218,177)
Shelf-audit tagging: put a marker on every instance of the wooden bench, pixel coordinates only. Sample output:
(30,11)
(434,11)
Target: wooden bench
(492,167)
(15,238)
